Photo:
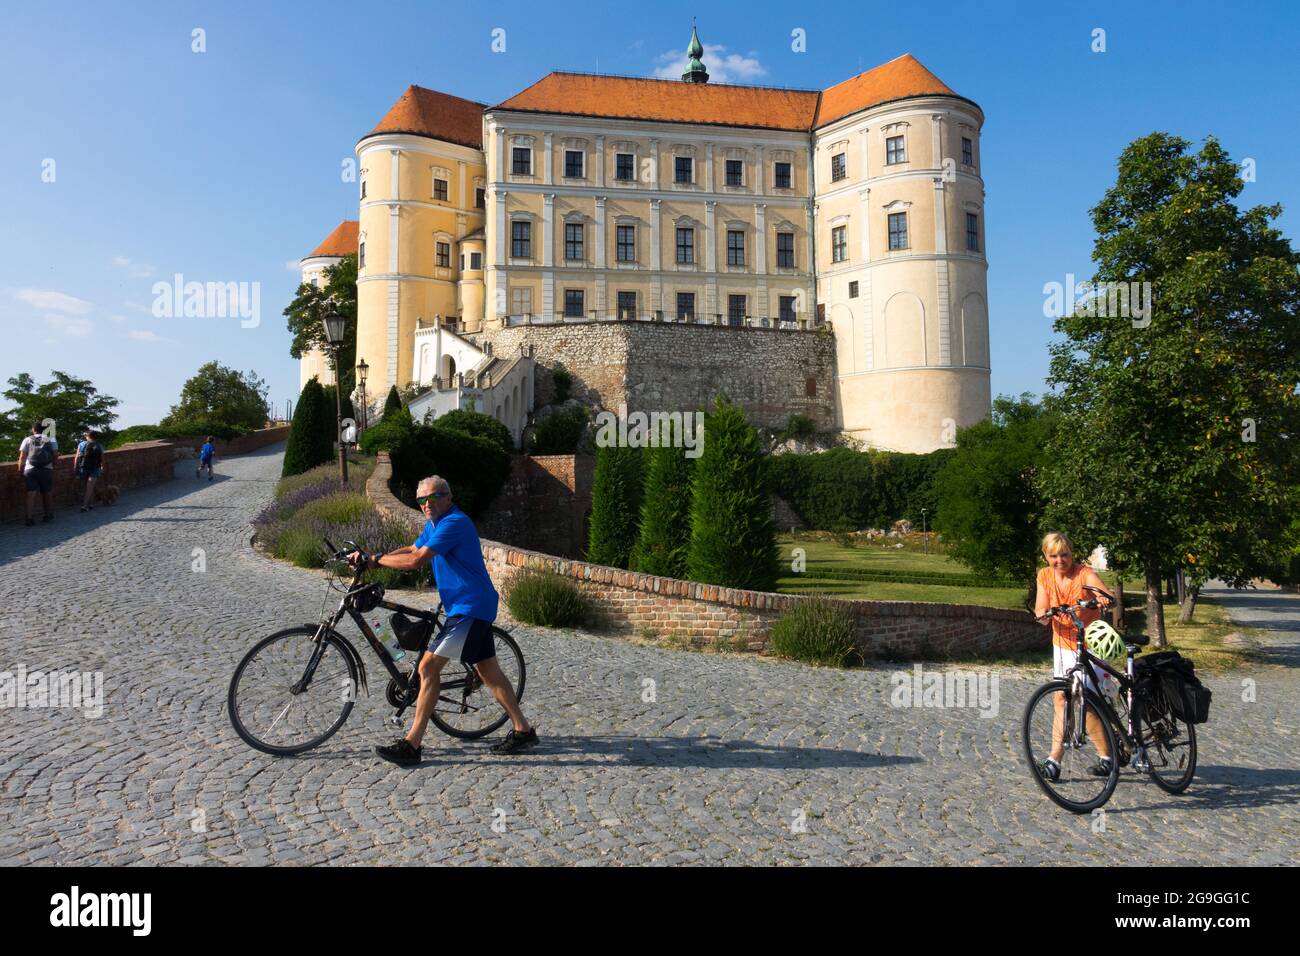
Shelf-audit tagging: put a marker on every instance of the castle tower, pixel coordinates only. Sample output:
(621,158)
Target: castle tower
(339,243)
(423,185)
(695,71)
(901,265)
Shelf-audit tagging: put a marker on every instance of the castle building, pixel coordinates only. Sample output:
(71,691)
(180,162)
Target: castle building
(807,252)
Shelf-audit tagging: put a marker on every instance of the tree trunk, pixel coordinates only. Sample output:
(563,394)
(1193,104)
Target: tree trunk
(1188,607)
(1155,608)
(1117,612)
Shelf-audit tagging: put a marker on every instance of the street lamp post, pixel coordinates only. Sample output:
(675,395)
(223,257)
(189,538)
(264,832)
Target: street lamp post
(334,329)
(362,369)
(924,537)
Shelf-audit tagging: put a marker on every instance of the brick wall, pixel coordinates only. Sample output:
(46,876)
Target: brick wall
(544,504)
(131,466)
(628,603)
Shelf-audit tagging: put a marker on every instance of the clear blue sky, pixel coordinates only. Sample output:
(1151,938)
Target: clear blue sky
(224,166)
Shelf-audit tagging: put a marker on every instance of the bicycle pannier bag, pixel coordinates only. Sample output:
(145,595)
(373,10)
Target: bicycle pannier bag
(1172,678)
(410,634)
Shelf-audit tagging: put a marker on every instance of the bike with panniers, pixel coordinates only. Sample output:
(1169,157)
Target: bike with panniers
(1080,729)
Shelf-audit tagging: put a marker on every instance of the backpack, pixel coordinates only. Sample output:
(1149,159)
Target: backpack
(1171,679)
(44,454)
(94,456)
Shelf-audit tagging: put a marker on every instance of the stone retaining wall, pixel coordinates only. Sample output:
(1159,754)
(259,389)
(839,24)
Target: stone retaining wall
(625,602)
(131,466)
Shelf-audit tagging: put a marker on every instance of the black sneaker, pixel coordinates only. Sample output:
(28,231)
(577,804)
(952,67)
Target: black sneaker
(1050,769)
(1101,768)
(400,752)
(516,741)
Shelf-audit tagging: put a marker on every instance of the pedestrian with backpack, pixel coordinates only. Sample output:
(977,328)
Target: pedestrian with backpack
(205,458)
(36,457)
(89,464)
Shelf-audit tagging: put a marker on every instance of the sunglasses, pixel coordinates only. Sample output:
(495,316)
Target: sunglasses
(427,498)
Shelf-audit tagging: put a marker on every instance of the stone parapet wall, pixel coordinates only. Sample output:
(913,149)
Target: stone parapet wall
(131,466)
(627,603)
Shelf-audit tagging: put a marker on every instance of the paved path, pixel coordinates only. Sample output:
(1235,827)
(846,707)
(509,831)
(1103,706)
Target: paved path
(737,760)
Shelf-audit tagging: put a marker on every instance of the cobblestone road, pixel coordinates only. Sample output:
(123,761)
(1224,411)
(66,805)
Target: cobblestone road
(738,760)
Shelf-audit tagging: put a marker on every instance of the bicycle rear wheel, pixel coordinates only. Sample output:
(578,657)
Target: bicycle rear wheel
(1048,720)
(466,708)
(1170,745)
(268,708)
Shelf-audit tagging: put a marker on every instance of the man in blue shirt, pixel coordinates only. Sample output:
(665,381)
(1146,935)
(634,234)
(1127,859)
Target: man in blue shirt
(450,541)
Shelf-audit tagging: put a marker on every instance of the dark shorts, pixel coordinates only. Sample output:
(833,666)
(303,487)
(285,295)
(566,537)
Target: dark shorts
(39,479)
(465,639)
(91,472)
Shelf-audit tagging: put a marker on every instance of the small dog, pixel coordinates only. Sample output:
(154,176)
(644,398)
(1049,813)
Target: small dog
(106,494)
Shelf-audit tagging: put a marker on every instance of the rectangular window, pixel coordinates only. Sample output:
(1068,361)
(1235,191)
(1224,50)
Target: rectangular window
(898,230)
(523,161)
(573,163)
(736,310)
(895,150)
(686,306)
(361,256)
(627,305)
(626,244)
(624,167)
(972,232)
(786,308)
(444,255)
(573,235)
(967,151)
(853,289)
(440,189)
(785,250)
(781,176)
(684,170)
(735,247)
(839,243)
(476,260)
(838,168)
(686,245)
(735,172)
(573,304)
(521,239)
(480,199)
(363,189)
(521,300)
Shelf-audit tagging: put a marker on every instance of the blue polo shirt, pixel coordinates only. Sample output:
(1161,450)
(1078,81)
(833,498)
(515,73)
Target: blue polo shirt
(459,573)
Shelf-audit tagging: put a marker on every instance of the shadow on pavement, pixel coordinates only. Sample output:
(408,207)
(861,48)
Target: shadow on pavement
(1223,788)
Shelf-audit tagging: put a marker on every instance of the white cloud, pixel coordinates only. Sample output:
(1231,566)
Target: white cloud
(723,67)
(143,335)
(138,270)
(58,301)
(73,327)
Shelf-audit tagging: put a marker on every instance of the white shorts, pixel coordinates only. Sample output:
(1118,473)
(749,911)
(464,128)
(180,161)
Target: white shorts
(1063,659)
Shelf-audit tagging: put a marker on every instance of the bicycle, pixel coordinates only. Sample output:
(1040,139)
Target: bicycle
(1147,734)
(285,699)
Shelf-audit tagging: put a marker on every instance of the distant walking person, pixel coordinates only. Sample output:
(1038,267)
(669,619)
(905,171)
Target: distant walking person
(205,458)
(36,457)
(89,464)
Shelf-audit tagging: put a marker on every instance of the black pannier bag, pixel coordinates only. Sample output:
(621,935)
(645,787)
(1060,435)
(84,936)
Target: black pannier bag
(410,634)
(1171,678)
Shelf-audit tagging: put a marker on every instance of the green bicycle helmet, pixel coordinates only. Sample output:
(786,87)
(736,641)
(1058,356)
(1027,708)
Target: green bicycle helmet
(1104,641)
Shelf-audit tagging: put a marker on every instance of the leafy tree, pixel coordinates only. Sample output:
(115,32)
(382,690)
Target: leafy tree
(476,423)
(475,467)
(665,534)
(393,402)
(989,501)
(1176,445)
(559,434)
(563,380)
(615,506)
(733,538)
(73,403)
(219,394)
(310,434)
(306,317)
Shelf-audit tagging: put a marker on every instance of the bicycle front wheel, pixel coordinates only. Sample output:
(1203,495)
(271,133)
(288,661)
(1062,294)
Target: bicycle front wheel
(1052,725)
(465,707)
(276,707)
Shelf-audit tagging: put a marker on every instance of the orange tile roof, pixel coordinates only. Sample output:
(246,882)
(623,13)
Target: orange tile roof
(671,101)
(341,242)
(899,78)
(436,115)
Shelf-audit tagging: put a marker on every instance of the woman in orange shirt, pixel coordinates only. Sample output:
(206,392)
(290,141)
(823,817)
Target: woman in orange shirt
(1062,582)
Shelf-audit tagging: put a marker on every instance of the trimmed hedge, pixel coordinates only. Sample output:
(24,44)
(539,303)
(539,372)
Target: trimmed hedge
(909,577)
(310,443)
(559,434)
(665,535)
(476,423)
(475,467)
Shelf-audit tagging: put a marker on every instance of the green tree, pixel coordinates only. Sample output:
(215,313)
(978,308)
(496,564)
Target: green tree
(73,403)
(615,506)
(310,442)
(475,467)
(733,539)
(393,402)
(1176,446)
(476,423)
(306,317)
(990,506)
(665,534)
(223,395)
(560,433)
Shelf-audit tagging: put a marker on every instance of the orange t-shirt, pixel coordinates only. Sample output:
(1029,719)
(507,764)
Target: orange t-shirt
(1068,592)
